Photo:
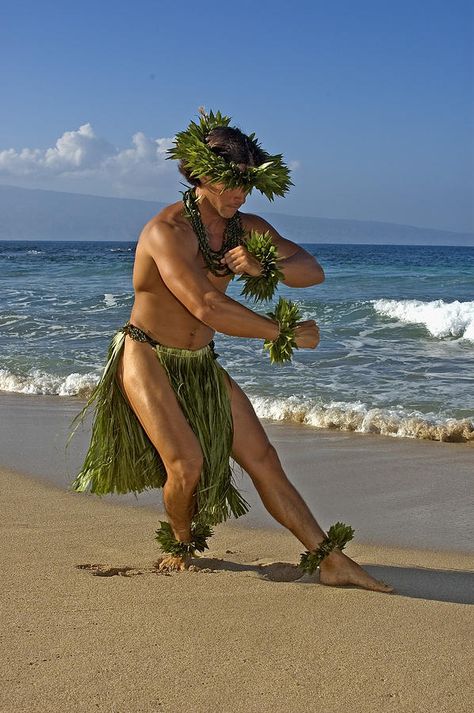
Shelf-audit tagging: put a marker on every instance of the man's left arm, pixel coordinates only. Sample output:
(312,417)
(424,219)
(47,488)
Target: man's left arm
(299,267)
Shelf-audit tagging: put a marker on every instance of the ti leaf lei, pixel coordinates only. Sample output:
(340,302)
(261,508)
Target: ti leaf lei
(287,315)
(169,544)
(262,287)
(272,177)
(338,536)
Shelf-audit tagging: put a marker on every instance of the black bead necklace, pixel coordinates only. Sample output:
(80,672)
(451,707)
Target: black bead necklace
(232,235)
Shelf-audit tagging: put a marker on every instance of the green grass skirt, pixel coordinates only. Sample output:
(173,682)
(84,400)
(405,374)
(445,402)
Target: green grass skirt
(122,459)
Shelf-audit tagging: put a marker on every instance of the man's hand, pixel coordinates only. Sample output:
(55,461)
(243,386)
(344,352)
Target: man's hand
(241,262)
(307,334)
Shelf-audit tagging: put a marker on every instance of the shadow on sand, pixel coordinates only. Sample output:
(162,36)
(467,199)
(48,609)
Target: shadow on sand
(440,585)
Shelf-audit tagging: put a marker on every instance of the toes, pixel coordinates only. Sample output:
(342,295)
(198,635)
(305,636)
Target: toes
(172,564)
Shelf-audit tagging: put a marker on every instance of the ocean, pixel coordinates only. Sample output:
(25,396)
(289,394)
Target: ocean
(396,321)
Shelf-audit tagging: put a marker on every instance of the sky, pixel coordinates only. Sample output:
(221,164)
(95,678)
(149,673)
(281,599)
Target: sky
(370,102)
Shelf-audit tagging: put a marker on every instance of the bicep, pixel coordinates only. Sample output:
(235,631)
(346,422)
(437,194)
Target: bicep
(286,248)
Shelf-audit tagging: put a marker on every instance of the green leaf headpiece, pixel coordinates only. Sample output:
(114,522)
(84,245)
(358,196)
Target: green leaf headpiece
(272,177)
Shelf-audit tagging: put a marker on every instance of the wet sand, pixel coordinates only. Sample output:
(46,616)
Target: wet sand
(393,491)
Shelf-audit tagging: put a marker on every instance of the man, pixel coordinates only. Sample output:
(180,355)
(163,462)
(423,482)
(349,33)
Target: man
(192,413)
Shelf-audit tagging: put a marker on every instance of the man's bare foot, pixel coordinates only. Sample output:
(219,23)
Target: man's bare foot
(174,563)
(338,570)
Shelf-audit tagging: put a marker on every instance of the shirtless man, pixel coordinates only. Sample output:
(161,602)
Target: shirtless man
(180,303)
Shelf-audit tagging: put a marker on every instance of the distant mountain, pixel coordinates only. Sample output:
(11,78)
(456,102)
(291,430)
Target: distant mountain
(27,214)
(30,214)
(337,230)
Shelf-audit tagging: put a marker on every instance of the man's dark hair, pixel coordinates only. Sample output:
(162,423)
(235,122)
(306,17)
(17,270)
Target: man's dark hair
(232,145)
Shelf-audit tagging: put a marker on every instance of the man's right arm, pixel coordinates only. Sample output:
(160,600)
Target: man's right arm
(175,259)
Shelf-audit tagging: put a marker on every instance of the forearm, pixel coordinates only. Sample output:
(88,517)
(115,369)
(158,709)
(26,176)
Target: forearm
(301,270)
(227,316)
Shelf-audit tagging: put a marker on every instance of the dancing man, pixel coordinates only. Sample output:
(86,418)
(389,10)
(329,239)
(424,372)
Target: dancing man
(166,412)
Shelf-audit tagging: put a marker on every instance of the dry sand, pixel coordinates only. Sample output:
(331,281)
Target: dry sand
(240,635)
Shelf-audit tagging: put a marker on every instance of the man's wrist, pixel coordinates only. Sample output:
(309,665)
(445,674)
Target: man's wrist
(273,330)
(258,270)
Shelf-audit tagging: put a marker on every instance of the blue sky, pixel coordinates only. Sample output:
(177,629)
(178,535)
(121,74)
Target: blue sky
(370,102)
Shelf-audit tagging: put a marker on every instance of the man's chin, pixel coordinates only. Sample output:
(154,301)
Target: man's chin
(227,212)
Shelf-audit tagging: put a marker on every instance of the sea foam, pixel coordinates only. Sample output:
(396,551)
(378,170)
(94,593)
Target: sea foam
(110,299)
(40,382)
(337,415)
(360,418)
(442,319)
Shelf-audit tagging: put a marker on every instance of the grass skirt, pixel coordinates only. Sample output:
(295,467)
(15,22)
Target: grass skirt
(122,459)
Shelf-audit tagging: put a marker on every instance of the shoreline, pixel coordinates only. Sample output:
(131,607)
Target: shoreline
(354,418)
(394,492)
(89,624)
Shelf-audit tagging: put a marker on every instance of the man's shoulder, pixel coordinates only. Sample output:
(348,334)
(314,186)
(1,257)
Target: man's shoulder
(167,227)
(251,221)
(171,215)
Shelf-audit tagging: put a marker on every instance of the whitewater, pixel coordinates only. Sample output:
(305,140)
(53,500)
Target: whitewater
(441,319)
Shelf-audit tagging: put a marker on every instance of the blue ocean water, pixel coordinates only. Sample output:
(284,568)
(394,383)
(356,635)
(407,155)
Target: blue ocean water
(397,334)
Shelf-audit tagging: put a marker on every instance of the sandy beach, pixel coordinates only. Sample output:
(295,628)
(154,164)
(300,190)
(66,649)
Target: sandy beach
(89,624)
(239,635)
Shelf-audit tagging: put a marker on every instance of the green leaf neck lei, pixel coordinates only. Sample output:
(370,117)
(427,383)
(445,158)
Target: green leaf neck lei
(233,235)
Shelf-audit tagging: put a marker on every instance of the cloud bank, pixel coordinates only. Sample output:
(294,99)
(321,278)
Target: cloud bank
(82,161)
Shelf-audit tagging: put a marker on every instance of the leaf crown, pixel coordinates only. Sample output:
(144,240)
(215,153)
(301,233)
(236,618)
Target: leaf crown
(272,177)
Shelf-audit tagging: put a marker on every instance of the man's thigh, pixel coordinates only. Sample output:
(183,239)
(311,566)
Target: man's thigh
(151,397)
(250,445)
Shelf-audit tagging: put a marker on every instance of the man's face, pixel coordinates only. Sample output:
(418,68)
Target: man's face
(226,201)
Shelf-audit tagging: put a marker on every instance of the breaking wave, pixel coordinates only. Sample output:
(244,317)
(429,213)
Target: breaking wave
(360,418)
(442,319)
(337,415)
(42,383)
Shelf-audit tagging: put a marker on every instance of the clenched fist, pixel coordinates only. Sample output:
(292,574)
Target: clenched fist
(241,262)
(307,334)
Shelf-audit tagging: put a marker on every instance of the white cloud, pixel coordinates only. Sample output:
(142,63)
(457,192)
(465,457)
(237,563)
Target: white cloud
(80,160)
(77,150)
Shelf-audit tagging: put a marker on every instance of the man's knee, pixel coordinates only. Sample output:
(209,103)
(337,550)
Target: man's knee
(185,472)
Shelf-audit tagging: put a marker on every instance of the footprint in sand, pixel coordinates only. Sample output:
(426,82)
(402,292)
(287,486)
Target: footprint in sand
(280,572)
(271,571)
(103,570)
